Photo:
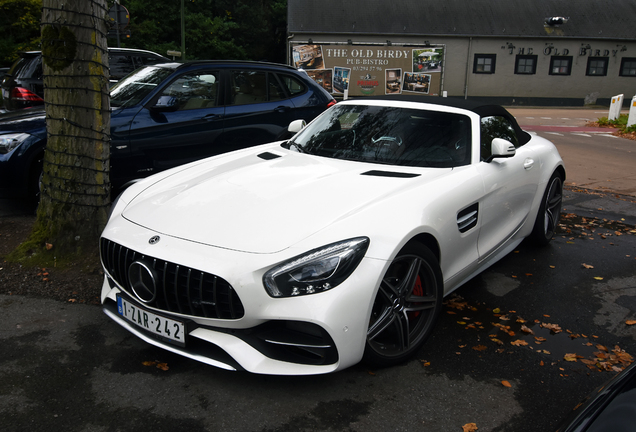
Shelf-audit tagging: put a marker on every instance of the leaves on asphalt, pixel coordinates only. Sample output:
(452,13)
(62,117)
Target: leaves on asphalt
(157,364)
(514,330)
(574,226)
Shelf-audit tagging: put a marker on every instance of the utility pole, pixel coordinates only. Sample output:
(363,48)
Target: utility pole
(183,55)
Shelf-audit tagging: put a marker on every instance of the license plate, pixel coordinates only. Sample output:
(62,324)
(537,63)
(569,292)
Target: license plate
(161,326)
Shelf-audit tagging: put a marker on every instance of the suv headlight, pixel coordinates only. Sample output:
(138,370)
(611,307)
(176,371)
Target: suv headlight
(10,141)
(316,271)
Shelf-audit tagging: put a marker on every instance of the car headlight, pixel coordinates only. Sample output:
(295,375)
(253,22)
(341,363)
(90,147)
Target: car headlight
(10,141)
(316,271)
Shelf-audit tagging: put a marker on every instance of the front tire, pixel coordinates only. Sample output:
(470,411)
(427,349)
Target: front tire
(406,307)
(549,211)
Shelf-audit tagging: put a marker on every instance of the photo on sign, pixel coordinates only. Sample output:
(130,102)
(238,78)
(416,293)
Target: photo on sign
(416,82)
(427,60)
(324,78)
(341,79)
(393,81)
(308,57)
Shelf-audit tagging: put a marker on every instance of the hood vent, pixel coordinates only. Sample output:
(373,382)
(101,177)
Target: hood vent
(378,173)
(268,156)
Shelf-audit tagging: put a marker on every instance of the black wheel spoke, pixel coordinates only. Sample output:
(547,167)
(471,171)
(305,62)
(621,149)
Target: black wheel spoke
(406,287)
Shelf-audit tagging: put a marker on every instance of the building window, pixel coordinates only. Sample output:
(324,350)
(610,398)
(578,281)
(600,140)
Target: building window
(628,67)
(526,64)
(484,63)
(597,66)
(561,65)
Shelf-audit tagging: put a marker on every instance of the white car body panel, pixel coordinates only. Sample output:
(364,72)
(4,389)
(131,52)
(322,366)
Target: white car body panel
(238,215)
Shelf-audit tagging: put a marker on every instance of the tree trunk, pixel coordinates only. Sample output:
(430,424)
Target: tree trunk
(75,188)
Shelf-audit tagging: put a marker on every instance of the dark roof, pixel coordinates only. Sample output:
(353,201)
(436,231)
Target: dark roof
(480,108)
(483,109)
(612,19)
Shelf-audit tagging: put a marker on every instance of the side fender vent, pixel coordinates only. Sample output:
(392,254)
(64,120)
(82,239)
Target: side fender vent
(467,218)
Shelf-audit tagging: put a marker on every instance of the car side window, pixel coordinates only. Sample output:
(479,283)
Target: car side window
(120,65)
(194,90)
(148,60)
(248,87)
(495,127)
(294,85)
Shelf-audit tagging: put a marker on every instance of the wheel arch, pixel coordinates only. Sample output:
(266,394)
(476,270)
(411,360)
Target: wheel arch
(428,240)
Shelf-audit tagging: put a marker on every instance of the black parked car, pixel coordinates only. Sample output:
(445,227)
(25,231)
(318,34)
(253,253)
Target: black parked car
(22,86)
(169,114)
(612,408)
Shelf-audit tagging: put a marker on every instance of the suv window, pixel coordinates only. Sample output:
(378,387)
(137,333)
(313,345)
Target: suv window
(120,65)
(294,85)
(496,127)
(194,90)
(27,67)
(134,88)
(248,87)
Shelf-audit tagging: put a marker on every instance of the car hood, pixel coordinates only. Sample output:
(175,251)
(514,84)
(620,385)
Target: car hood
(264,206)
(28,120)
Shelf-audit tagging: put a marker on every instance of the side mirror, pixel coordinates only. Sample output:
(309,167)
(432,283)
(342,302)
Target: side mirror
(166,103)
(296,126)
(501,148)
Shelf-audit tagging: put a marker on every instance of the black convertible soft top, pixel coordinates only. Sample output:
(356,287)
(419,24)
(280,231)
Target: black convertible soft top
(483,110)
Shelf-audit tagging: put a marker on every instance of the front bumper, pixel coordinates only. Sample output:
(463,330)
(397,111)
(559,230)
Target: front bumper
(312,334)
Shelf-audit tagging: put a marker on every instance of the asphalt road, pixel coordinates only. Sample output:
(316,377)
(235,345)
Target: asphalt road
(67,367)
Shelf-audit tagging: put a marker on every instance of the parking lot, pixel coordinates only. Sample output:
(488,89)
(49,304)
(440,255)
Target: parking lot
(501,355)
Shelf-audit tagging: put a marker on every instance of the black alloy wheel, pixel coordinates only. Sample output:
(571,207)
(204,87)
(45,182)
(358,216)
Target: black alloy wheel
(549,212)
(406,307)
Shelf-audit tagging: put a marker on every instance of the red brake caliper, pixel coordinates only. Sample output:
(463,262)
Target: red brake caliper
(417,291)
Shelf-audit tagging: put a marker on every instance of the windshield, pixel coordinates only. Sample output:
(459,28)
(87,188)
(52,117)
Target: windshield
(136,86)
(388,135)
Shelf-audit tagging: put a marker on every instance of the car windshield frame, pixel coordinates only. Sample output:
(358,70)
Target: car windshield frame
(134,87)
(391,135)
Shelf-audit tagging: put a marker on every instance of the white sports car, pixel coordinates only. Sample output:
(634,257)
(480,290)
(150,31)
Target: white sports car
(310,255)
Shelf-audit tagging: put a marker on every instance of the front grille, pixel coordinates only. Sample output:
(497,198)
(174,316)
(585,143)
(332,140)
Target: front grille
(180,289)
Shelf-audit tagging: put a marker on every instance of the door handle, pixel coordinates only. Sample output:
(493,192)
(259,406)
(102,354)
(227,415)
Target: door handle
(528,164)
(211,117)
(281,109)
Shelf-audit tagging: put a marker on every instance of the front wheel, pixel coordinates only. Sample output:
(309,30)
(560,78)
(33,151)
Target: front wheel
(406,307)
(549,211)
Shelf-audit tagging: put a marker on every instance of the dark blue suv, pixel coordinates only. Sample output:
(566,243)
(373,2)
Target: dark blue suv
(169,114)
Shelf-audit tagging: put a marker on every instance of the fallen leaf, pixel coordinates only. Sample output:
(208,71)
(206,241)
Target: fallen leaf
(526,329)
(48,246)
(553,327)
(163,366)
(480,347)
(598,278)
(506,384)
(519,342)
(470,427)
(630,322)
(587,266)
(570,357)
